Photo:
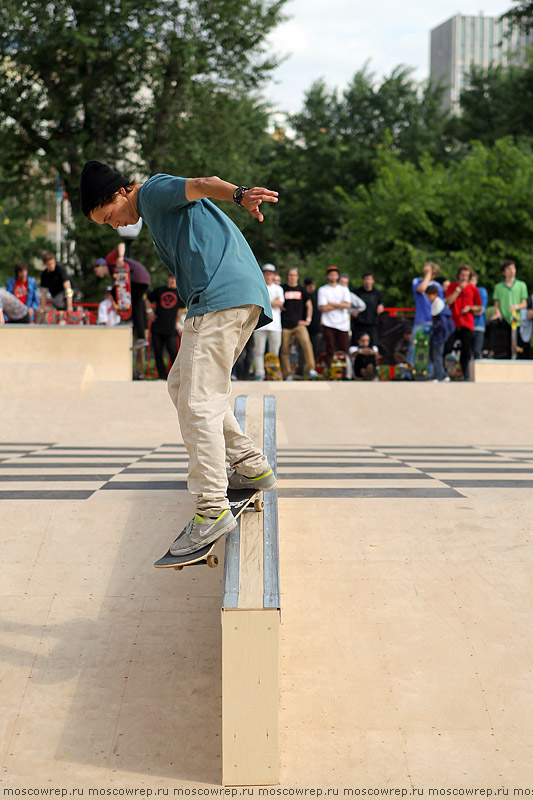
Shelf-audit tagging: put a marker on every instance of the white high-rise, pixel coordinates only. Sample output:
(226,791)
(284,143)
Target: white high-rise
(463,42)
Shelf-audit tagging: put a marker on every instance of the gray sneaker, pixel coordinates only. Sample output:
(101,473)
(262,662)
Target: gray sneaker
(265,483)
(201,531)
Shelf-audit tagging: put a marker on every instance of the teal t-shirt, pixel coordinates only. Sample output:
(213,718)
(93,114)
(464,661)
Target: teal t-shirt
(212,261)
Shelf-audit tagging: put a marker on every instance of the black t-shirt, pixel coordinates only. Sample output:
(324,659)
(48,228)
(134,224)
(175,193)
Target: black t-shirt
(314,326)
(54,280)
(294,306)
(168,302)
(373,299)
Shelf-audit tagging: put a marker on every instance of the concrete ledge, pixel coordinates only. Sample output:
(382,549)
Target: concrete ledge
(106,350)
(491,370)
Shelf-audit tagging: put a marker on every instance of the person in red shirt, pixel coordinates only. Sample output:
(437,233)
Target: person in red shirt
(464,301)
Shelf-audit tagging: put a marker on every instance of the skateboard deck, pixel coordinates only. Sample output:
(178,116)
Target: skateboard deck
(273,367)
(121,277)
(240,500)
(421,358)
(337,370)
(516,321)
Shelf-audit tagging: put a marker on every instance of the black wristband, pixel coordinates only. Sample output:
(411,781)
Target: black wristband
(238,193)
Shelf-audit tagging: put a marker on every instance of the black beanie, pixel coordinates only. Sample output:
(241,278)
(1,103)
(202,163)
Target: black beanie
(98,184)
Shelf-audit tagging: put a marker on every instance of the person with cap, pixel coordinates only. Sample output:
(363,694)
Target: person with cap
(220,280)
(334,302)
(269,335)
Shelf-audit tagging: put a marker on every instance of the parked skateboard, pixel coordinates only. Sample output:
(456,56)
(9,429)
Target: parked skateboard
(121,277)
(516,321)
(421,358)
(337,369)
(240,500)
(273,367)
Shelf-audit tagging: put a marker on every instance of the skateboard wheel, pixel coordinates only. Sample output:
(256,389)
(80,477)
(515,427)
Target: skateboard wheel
(177,567)
(212,561)
(259,504)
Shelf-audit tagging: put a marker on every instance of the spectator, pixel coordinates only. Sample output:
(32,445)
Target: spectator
(55,278)
(365,357)
(423,318)
(12,309)
(480,319)
(140,285)
(442,328)
(164,320)
(296,317)
(464,301)
(366,321)
(356,304)
(315,328)
(108,309)
(510,297)
(401,348)
(334,303)
(269,336)
(25,288)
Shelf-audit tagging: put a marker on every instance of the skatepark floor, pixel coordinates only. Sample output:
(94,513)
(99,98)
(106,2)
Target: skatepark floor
(405,517)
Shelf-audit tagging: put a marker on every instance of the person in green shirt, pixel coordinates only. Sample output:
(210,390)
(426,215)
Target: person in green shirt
(510,297)
(223,287)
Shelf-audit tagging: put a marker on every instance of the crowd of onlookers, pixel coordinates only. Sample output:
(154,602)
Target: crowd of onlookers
(325,326)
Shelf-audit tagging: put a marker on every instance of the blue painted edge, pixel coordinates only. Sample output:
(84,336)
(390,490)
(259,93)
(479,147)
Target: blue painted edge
(271,585)
(230,594)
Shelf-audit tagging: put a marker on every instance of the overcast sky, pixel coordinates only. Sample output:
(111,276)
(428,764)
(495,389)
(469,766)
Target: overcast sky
(332,39)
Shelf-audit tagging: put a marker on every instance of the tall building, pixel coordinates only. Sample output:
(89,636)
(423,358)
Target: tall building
(463,42)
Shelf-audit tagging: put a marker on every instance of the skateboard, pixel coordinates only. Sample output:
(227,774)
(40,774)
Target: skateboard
(121,277)
(421,358)
(240,500)
(337,369)
(273,367)
(516,321)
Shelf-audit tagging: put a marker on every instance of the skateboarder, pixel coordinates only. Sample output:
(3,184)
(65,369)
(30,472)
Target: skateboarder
(221,282)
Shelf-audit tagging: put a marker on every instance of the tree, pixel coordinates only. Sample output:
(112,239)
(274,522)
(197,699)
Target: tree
(124,82)
(497,102)
(522,15)
(478,211)
(334,143)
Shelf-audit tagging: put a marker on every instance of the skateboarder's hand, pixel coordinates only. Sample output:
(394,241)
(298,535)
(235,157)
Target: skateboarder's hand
(252,199)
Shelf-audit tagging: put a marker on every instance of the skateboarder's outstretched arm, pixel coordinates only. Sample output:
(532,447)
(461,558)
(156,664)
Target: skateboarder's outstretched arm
(217,189)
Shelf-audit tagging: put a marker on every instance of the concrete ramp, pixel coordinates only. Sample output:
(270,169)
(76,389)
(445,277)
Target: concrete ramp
(406,555)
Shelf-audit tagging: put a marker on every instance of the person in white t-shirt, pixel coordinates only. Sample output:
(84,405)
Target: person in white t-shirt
(108,309)
(334,302)
(269,336)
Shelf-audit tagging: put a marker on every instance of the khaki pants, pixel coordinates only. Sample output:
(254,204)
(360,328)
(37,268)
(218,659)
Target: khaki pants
(199,385)
(301,334)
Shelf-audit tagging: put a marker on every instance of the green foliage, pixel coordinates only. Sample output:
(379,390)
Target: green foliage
(498,102)
(18,213)
(136,83)
(476,211)
(522,14)
(332,143)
